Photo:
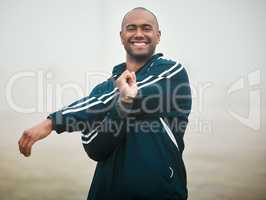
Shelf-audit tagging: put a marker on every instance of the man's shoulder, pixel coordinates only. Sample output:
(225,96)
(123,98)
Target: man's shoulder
(164,66)
(118,69)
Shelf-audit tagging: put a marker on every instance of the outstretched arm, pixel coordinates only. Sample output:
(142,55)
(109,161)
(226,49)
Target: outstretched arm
(126,85)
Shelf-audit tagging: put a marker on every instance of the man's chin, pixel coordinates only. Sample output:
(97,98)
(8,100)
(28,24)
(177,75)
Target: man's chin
(140,56)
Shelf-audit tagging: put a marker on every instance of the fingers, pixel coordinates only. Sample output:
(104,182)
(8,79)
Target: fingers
(21,143)
(132,79)
(25,144)
(28,148)
(126,84)
(129,77)
(133,75)
(124,79)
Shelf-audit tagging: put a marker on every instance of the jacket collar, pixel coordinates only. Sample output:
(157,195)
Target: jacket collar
(118,69)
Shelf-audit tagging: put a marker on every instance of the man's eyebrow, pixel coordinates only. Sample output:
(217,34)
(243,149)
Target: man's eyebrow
(147,25)
(130,25)
(141,25)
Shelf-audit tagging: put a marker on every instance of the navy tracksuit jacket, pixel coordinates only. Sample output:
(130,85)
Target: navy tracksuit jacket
(138,147)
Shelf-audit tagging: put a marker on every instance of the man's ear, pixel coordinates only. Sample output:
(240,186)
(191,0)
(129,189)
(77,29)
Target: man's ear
(159,35)
(159,32)
(121,37)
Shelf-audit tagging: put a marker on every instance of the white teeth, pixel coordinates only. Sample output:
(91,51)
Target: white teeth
(139,44)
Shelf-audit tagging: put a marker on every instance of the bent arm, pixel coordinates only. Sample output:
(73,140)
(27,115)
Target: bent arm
(168,96)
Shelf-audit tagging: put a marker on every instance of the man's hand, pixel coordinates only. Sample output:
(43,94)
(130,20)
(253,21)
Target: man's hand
(127,85)
(32,135)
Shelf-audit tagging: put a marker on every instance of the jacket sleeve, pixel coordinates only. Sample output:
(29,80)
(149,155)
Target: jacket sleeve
(102,130)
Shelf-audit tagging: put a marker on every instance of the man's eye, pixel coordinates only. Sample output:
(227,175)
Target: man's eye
(130,28)
(147,28)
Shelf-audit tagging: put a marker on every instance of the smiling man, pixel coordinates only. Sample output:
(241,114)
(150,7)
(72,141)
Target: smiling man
(133,123)
(139,34)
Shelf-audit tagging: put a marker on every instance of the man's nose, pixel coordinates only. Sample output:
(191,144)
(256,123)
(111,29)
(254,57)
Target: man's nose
(139,32)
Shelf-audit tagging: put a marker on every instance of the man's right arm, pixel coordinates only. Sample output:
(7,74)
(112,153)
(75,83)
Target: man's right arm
(85,115)
(78,116)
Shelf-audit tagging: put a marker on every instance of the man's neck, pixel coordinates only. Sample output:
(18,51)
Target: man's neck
(134,65)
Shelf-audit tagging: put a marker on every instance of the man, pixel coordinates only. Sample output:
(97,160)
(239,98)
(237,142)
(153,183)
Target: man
(133,123)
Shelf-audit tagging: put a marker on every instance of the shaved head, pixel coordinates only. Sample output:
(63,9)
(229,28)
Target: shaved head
(140,9)
(140,34)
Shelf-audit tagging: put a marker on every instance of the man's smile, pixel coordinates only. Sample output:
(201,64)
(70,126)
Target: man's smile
(139,43)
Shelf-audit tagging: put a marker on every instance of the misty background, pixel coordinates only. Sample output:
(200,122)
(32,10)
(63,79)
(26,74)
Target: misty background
(54,52)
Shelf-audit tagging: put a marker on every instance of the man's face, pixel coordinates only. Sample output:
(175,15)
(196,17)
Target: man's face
(140,34)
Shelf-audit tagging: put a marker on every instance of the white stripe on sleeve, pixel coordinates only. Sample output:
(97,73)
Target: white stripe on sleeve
(99,100)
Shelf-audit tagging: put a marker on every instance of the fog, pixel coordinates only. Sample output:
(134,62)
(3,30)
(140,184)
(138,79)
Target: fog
(54,52)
